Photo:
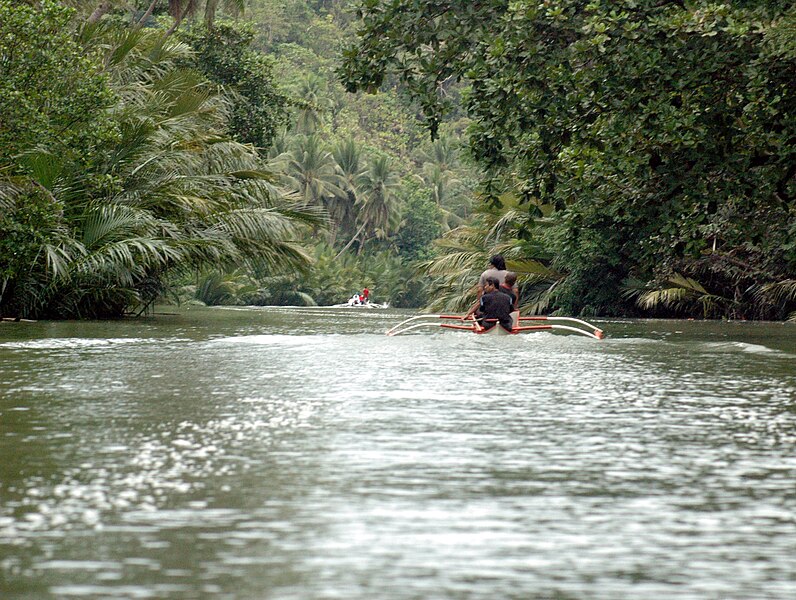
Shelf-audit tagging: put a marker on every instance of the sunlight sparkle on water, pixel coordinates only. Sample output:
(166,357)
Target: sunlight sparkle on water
(303,454)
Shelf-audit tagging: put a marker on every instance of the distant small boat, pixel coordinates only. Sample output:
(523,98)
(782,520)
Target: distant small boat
(552,323)
(356,301)
(365,305)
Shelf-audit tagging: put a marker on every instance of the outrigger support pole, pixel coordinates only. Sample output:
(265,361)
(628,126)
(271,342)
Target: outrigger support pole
(418,317)
(473,325)
(596,331)
(595,335)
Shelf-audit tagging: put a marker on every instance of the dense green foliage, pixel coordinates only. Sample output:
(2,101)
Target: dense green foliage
(652,142)
(633,158)
(160,150)
(50,90)
(123,174)
(364,160)
(225,56)
(421,225)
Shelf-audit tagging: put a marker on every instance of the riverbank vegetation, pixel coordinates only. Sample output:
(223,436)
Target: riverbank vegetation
(634,159)
(649,145)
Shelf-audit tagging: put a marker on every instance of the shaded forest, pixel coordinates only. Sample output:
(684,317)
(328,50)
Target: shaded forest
(631,160)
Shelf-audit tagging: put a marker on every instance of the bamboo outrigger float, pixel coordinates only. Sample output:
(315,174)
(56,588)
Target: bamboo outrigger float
(471,325)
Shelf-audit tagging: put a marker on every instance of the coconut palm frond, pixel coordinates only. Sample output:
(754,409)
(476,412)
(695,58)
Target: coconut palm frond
(310,216)
(10,190)
(466,236)
(44,168)
(310,169)
(110,222)
(217,288)
(506,222)
(779,294)
(632,288)
(452,262)
(347,156)
(537,298)
(686,283)
(127,257)
(59,258)
(205,248)
(669,297)
(442,153)
(781,291)
(533,270)
(250,225)
(274,256)
(680,293)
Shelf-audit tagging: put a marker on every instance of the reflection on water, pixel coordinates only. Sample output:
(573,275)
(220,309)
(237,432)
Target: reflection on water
(300,453)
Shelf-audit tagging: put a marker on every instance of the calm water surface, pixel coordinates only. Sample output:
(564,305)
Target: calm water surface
(288,453)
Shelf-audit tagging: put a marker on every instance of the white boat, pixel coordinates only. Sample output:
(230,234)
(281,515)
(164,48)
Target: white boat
(569,324)
(356,302)
(365,305)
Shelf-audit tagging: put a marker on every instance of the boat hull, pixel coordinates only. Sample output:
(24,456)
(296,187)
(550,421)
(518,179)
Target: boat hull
(368,305)
(496,330)
(465,323)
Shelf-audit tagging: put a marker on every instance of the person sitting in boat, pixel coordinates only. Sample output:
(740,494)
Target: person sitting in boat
(355,301)
(494,307)
(497,269)
(509,287)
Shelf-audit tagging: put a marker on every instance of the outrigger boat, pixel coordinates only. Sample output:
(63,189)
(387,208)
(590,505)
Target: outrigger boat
(358,301)
(361,305)
(471,325)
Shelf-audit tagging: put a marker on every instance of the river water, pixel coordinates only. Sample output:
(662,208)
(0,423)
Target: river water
(299,453)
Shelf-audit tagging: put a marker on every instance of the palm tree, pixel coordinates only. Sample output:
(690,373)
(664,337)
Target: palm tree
(379,207)
(347,155)
(440,162)
(442,184)
(183,196)
(278,149)
(180,9)
(379,211)
(463,252)
(443,154)
(779,293)
(215,288)
(312,91)
(677,292)
(310,170)
(334,277)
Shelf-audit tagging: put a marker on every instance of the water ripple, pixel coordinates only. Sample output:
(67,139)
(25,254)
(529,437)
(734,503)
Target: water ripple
(300,453)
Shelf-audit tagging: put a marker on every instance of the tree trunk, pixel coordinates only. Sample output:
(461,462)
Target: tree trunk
(351,241)
(210,13)
(101,9)
(178,20)
(333,229)
(148,13)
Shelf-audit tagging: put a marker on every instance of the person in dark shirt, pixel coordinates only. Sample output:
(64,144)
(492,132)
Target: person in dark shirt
(497,269)
(494,306)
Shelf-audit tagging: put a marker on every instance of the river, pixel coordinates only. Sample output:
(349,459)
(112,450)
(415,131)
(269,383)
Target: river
(299,453)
